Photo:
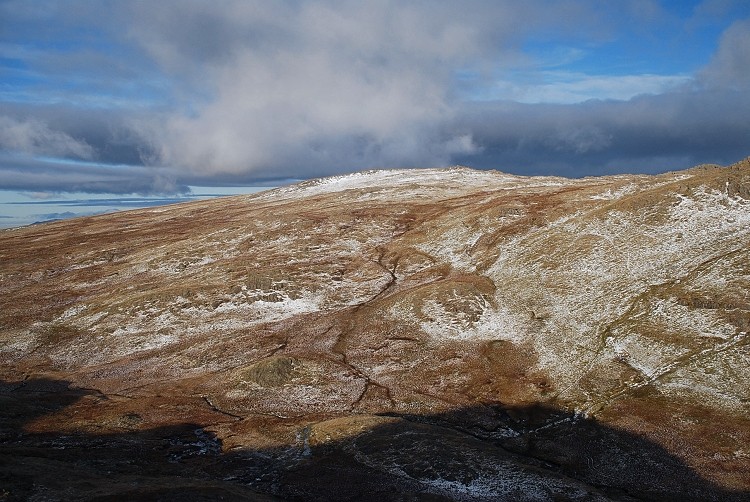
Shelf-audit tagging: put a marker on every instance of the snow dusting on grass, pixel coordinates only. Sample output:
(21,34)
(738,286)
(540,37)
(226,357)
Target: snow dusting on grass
(493,323)
(453,247)
(609,194)
(413,183)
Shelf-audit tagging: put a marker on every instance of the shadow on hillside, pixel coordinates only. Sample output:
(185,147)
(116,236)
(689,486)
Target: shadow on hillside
(481,453)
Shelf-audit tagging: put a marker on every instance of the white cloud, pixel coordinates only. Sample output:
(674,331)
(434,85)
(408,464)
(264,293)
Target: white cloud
(729,66)
(329,86)
(34,137)
(568,88)
(339,87)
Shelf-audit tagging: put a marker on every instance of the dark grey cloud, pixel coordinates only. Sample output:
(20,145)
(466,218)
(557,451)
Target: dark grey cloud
(19,172)
(62,148)
(37,138)
(104,135)
(645,134)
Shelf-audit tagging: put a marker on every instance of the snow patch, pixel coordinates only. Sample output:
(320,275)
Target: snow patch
(616,194)
(494,323)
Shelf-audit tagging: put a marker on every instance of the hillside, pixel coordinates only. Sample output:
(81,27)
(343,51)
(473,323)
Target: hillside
(401,335)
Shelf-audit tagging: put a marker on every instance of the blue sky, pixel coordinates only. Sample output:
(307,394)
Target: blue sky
(152,98)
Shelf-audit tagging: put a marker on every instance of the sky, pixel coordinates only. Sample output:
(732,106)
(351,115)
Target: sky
(149,99)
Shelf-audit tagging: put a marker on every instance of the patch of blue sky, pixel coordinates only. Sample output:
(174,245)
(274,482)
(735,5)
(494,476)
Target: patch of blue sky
(71,72)
(663,52)
(565,86)
(565,76)
(17,75)
(84,91)
(12,63)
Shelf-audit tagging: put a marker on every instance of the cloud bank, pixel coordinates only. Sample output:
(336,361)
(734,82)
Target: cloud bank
(248,91)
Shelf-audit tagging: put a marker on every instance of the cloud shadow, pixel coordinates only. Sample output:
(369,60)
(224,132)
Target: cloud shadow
(477,453)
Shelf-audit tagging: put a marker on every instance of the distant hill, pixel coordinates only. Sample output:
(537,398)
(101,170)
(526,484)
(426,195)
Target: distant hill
(426,334)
